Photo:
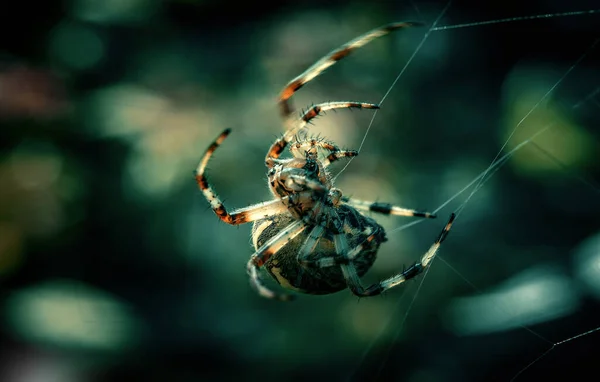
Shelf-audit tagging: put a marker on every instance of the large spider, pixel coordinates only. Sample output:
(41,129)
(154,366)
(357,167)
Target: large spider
(310,238)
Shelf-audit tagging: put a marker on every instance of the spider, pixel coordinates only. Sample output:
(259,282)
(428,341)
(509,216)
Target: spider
(310,238)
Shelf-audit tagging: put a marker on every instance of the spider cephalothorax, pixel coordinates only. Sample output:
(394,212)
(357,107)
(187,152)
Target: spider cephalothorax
(311,238)
(303,182)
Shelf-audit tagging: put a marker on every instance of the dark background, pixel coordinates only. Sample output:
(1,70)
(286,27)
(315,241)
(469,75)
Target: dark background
(113,267)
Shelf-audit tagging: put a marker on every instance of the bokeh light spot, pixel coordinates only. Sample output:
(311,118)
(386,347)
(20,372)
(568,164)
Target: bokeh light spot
(71,314)
(76,46)
(564,139)
(114,11)
(587,264)
(536,295)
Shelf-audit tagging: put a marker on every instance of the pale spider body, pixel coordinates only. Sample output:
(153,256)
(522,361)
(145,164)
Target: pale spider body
(311,238)
(318,208)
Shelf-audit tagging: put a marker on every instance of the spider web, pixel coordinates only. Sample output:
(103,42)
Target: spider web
(471,189)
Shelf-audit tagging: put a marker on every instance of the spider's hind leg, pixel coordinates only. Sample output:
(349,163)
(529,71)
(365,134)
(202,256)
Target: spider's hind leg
(344,261)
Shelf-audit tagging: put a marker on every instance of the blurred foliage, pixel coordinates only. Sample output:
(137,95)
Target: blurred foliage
(113,266)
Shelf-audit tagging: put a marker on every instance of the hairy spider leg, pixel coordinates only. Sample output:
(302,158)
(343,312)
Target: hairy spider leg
(308,247)
(239,216)
(281,143)
(338,154)
(328,60)
(315,110)
(302,180)
(310,243)
(344,260)
(385,208)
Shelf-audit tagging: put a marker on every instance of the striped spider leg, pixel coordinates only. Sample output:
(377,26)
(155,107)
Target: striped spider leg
(251,213)
(239,216)
(344,259)
(281,143)
(334,56)
(385,208)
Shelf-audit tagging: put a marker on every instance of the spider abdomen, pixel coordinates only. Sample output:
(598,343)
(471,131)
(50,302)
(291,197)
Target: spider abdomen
(284,267)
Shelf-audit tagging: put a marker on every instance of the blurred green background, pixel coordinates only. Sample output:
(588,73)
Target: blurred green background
(114,268)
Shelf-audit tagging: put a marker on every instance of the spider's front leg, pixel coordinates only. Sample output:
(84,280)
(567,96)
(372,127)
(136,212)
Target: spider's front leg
(328,60)
(239,216)
(281,143)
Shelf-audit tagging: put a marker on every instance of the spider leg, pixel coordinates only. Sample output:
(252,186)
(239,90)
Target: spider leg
(339,154)
(385,208)
(341,258)
(281,143)
(330,59)
(260,288)
(315,234)
(291,176)
(239,216)
(313,111)
(414,270)
(300,147)
(307,248)
(310,243)
(262,255)
(274,244)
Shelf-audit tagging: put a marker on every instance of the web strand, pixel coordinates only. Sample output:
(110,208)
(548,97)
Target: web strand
(520,18)
(490,171)
(425,37)
(401,326)
(554,346)
(494,166)
(550,91)
(479,291)
(588,182)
